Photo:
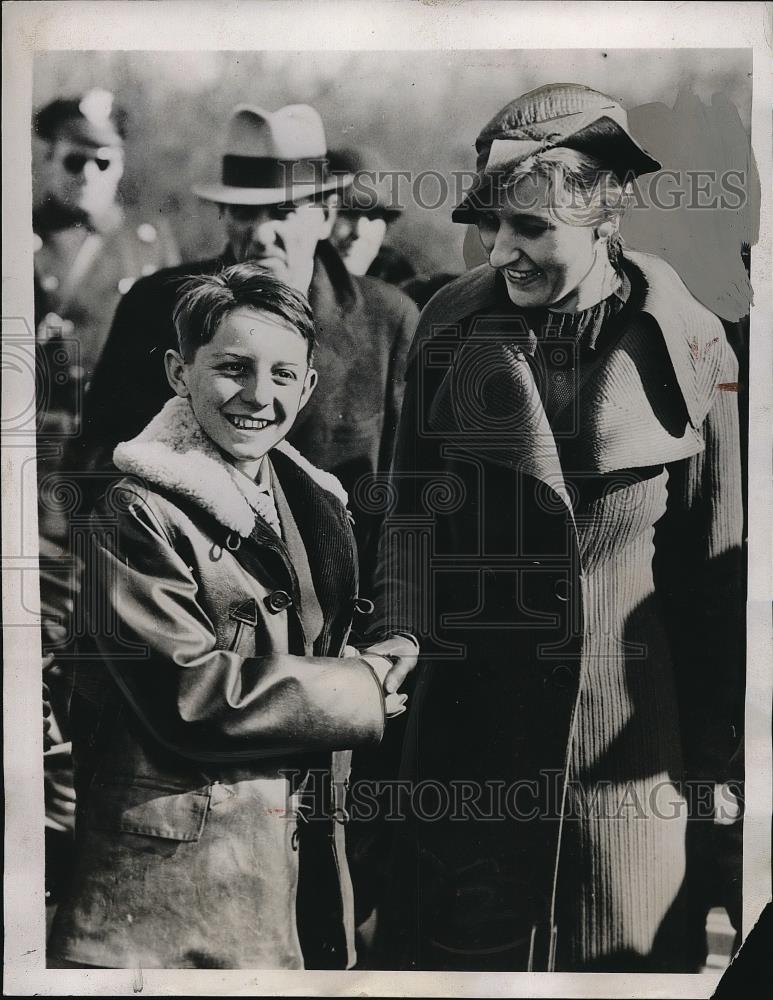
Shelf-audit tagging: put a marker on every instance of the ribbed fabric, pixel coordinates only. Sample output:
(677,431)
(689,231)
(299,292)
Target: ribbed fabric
(626,753)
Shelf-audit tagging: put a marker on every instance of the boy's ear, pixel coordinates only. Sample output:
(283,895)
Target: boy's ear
(175,373)
(309,385)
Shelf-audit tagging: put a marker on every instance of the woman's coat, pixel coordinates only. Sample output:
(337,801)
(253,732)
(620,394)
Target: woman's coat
(212,717)
(575,586)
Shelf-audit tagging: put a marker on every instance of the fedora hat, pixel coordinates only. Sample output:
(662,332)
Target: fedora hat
(272,157)
(560,114)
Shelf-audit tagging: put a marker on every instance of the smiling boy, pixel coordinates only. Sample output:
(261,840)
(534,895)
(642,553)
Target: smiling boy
(216,674)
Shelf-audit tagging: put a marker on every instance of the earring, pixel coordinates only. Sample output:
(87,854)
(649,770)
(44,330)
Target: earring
(605,230)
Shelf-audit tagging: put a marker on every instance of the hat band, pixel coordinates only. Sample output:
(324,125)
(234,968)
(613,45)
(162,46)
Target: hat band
(267,172)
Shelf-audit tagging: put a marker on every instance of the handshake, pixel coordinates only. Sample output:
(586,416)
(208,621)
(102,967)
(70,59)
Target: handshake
(391,661)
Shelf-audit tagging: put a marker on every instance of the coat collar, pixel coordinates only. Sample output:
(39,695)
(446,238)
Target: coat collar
(631,413)
(692,334)
(173,453)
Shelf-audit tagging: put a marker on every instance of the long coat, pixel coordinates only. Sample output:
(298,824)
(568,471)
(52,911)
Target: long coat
(575,586)
(213,719)
(364,330)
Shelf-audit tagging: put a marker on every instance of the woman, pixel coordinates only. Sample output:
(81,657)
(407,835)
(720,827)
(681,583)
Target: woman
(212,712)
(564,542)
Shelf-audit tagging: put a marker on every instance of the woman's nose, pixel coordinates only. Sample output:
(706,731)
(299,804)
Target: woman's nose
(506,249)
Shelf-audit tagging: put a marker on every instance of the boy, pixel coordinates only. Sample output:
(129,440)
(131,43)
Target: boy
(211,683)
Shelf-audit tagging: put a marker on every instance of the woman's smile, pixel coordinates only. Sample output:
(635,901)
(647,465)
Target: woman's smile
(522,275)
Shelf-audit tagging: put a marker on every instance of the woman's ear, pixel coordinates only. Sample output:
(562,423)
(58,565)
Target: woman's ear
(175,373)
(309,385)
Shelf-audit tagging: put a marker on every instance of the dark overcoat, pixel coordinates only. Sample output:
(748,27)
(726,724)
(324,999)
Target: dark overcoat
(213,719)
(575,586)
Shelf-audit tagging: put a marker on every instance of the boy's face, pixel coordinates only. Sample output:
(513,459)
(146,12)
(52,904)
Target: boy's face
(247,385)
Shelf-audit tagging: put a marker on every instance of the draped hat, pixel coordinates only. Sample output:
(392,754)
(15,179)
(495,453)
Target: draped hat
(272,157)
(560,114)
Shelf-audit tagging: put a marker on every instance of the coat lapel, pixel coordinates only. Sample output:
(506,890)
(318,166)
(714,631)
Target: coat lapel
(487,402)
(329,547)
(631,412)
(642,403)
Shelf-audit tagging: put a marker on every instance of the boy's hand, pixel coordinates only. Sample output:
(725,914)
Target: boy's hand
(403,655)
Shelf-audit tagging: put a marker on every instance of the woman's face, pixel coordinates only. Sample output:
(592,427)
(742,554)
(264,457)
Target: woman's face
(542,259)
(247,385)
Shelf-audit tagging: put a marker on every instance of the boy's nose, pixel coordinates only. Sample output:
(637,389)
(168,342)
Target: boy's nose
(257,391)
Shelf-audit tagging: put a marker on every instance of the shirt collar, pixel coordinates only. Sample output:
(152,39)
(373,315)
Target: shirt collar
(261,485)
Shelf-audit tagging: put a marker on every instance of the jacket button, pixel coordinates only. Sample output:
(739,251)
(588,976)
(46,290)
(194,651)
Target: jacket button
(278,601)
(561,590)
(562,676)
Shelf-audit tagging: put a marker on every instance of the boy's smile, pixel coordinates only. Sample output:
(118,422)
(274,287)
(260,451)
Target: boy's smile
(248,384)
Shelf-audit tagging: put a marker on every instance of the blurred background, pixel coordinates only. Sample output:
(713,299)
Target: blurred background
(421,110)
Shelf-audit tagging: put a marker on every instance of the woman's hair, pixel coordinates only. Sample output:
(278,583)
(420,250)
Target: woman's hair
(205,299)
(579,190)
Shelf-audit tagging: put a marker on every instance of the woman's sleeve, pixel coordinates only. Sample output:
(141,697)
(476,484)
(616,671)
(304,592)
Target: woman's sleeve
(700,556)
(156,640)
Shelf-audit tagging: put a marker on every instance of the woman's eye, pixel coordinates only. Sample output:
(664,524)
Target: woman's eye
(531,228)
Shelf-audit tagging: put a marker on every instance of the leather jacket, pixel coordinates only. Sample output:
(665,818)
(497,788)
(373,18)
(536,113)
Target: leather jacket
(212,715)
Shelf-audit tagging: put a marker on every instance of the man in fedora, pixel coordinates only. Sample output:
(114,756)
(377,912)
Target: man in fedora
(277,202)
(365,213)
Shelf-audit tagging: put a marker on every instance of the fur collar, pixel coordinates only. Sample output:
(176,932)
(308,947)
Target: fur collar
(173,452)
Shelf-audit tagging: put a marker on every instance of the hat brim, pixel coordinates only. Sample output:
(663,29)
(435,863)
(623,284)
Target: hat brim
(603,139)
(223,194)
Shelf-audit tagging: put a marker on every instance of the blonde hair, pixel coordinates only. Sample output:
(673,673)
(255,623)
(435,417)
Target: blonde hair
(579,190)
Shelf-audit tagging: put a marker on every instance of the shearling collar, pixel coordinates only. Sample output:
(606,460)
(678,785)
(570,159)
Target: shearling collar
(173,452)
(691,332)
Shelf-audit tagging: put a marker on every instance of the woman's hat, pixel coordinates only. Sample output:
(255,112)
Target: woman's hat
(272,157)
(560,114)
(368,193)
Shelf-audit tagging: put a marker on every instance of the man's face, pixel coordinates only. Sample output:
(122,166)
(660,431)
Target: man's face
(81,177)
(248,384)
(283,240)
(542,258)
(358,239)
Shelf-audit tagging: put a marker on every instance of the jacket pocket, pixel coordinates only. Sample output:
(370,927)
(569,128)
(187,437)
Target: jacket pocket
(149,811)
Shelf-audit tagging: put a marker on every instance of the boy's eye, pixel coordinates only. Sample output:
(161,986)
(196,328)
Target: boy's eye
(233,368)
(285,374)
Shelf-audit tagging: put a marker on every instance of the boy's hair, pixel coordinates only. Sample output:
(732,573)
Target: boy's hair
(206,299)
